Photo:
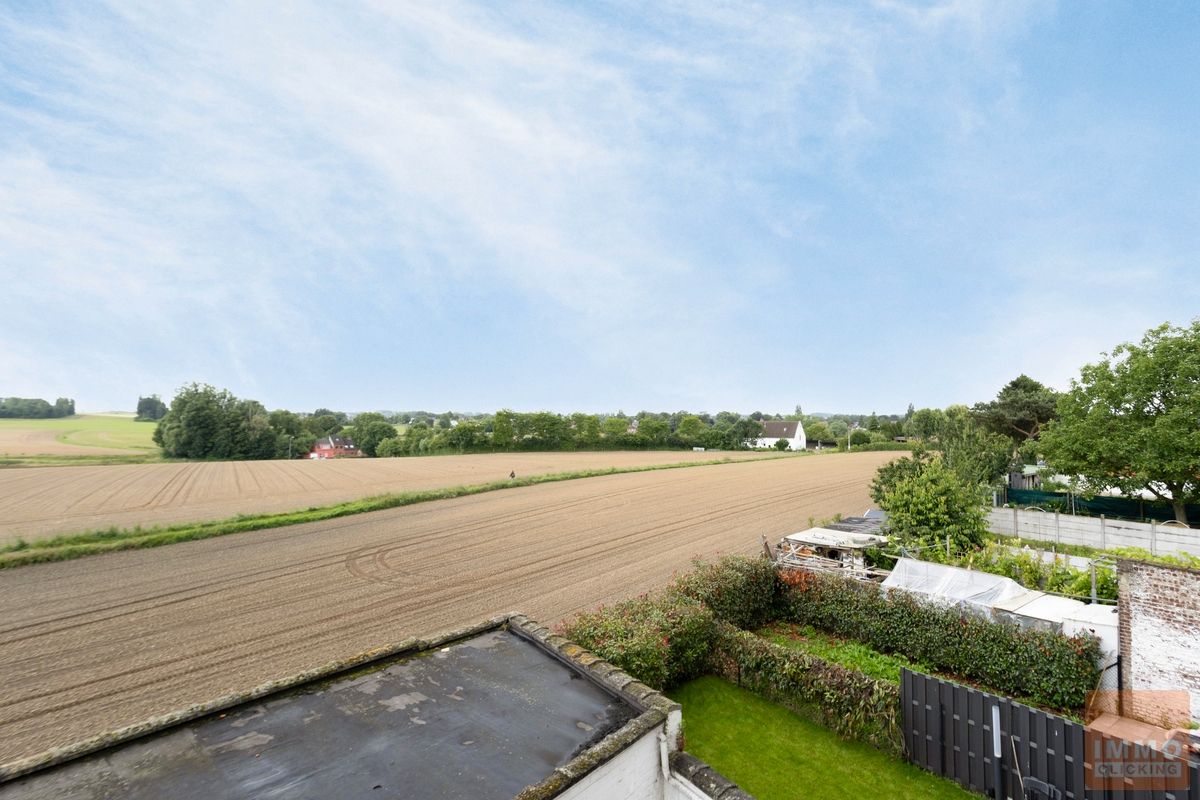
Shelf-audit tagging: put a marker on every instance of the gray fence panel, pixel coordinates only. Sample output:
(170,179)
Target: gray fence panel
(948,731)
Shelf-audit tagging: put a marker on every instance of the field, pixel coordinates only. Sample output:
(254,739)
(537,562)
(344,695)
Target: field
(83,437)
(94,644)
(37,503)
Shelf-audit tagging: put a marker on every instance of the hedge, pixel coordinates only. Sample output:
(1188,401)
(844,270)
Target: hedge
(885,447)
(740,590)
(661,640)
(841,698)
(1042,667)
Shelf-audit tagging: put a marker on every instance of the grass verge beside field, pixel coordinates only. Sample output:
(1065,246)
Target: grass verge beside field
(775,755)
(78,545)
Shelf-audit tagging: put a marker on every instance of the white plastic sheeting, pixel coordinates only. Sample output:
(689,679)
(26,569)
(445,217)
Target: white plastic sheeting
(952,586)
(1000,598)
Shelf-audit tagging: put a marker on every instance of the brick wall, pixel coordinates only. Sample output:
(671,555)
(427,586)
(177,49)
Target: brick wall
(1159,609)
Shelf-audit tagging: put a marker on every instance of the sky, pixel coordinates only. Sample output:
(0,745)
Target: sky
(590,207)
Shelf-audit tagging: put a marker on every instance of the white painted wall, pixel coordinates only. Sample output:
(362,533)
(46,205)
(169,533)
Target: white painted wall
(1092,531)
(635,773)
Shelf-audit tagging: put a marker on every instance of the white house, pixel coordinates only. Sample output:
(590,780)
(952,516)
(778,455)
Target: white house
(776,429)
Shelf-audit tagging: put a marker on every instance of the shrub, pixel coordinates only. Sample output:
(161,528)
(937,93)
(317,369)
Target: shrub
(926,507)
(740,590)
(660,640)
(1046,668)
(1028,569)
(841,698)
(897,447)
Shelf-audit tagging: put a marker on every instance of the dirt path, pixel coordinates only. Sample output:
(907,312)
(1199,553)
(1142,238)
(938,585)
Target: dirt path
(40,502)
(91,645)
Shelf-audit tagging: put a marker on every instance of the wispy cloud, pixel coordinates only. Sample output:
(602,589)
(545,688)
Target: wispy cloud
(619,205)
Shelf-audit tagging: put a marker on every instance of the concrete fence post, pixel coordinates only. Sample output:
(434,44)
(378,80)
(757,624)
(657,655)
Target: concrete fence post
(1057,533)
(1016,523)
(1103,534)
(1153,536)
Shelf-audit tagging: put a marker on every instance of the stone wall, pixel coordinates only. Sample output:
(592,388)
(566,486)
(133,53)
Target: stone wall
(1159,609)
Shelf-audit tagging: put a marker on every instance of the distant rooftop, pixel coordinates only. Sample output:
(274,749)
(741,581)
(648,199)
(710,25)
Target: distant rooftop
(481,717)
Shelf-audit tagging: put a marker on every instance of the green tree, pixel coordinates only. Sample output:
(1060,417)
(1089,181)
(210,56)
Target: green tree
(151,409)
(1130,421)
(464,436)
(585,429)
(389,448)
(817,430)
(369,430)
(978,456)
(690,428)
(615,427)
(1019,412)
(925,423)
(503,430)
(782,444)
(932,503)
(654,429)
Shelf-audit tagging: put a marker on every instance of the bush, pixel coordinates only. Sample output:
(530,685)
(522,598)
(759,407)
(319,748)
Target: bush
(740,590)
(888,447)
(1048,669)
(662,641)
(1028,569)
(840,698)
(933,503)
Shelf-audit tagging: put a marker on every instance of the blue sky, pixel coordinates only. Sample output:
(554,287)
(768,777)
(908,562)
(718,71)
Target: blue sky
(593,206)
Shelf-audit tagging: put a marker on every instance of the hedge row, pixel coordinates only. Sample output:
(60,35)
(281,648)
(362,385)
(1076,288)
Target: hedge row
(884,447)
(1042,667)
(667,638)
(840,698)
(661,640)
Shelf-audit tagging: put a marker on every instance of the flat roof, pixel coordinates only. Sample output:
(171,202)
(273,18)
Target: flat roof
(482,717)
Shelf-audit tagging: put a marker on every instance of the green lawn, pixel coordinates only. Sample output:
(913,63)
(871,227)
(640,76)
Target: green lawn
(775,755)
(856,655)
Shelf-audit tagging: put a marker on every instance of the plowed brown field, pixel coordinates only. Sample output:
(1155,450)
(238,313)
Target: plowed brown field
(98,643)
(40,502)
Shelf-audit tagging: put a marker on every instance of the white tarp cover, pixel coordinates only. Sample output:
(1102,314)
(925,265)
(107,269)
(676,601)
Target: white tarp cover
(1039,605)
(952,585)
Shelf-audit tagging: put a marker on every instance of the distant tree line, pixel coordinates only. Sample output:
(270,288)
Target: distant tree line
(35,408)
(208,423)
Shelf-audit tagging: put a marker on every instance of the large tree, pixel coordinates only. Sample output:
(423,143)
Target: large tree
(1020,410)
(1132,420)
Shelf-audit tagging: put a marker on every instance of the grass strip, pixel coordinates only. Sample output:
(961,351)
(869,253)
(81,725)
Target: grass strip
(77,545)
(856,655)
(776,755)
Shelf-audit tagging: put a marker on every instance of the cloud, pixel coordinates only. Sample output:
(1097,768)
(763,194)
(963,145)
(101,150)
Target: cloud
(648,197)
